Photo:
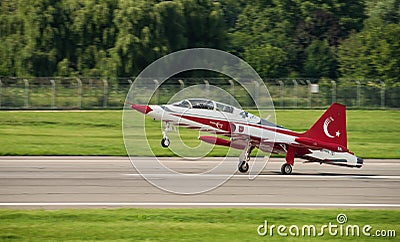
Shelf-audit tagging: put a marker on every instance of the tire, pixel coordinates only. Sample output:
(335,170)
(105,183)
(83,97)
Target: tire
(165,142)
(243,167)
(286,169)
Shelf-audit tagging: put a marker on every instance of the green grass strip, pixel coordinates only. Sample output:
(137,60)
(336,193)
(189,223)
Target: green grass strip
(221,224)
(371,134)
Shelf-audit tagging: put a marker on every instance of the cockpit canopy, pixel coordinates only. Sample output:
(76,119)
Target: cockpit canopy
(204,104)
(199,103)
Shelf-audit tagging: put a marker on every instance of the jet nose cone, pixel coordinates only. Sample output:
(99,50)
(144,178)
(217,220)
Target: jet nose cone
(142,108)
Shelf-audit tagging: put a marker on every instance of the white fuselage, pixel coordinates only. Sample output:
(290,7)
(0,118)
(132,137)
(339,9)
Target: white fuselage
(243,127)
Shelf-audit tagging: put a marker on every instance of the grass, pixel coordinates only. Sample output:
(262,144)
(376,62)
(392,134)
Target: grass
(371,134)
(61,133)
(221,224)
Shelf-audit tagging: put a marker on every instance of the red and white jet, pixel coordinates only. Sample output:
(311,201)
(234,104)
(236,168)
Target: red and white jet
(325,142)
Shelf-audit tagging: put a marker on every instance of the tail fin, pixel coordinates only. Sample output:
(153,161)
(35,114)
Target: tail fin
(331,126)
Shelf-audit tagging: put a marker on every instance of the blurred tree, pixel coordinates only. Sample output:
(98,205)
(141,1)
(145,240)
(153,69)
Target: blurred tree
(92,31)
(127,15)
(231,10)
(39,54)
(349,13)
(374,53)
(64,68)
(320,60)
(353,63)
(205,25)
(266,24)
(267,60)
(147,31)
(10,36)
(319,25)
(388,11)
(293,25)
(279,37)
(170,28)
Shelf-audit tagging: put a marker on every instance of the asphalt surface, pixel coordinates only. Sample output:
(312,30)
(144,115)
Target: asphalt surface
(80,182)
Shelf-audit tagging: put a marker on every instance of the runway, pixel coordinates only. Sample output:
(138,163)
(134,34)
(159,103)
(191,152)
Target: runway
(78,182)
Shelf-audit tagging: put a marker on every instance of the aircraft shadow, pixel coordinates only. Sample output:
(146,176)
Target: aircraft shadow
(327,174)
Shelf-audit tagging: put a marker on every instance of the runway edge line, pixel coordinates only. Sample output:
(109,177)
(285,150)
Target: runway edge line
(205,204)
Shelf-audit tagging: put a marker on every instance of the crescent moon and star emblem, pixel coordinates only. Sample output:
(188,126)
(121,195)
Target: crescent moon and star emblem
(326,124)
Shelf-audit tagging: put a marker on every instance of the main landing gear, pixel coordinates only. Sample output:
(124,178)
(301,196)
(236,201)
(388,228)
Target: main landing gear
(286,169)
(244,158)
(165,141)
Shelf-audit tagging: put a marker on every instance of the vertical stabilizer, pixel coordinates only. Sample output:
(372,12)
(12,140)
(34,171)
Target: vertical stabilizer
(331,126)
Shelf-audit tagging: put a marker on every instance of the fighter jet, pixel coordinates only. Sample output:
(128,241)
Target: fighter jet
(325,142)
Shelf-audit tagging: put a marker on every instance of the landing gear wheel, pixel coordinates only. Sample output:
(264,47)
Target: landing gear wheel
(286,169)
(245,157)
(243,167)
(165,142)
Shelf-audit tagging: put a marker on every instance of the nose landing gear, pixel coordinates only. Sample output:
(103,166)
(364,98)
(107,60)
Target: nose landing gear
(244,158)
(165,141)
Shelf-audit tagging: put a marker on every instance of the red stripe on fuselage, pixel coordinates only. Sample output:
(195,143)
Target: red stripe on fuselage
(256,141)
(275,129)
(219,124)
(225,125)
